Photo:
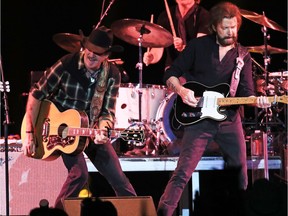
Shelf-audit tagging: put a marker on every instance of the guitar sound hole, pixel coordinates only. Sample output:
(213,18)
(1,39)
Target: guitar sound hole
(61,139)
(62,131)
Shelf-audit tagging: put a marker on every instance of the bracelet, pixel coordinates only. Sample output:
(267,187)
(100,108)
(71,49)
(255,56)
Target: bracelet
(29,131)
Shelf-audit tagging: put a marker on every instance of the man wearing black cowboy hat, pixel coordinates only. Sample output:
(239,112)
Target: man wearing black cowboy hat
(83,81)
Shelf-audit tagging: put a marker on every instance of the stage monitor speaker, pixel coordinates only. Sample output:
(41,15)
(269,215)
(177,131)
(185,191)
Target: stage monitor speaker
(30,180)
(125,206)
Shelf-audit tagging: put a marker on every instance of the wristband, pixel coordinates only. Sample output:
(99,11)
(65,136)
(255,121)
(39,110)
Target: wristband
(29,131)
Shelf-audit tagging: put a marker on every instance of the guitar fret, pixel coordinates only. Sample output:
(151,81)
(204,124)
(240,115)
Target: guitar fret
(78,131)
(90,132)
(83,132)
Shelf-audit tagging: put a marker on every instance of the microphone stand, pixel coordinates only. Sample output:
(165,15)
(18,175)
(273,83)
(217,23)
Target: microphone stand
(5,89)
(266,62)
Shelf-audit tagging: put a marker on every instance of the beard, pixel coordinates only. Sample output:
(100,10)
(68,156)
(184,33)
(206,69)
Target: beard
(226,41)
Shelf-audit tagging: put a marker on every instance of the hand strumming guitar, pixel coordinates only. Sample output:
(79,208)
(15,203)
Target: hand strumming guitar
(28,146)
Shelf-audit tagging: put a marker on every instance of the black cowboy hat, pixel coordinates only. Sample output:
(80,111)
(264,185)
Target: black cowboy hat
(100,41)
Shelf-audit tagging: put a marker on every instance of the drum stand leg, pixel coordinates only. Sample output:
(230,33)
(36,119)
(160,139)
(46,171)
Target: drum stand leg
(143,124)
(150,144)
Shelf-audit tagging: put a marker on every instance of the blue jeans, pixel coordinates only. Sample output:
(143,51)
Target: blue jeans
(106,161)
(230,138)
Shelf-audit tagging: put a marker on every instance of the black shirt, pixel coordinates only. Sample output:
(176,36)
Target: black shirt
(200,62)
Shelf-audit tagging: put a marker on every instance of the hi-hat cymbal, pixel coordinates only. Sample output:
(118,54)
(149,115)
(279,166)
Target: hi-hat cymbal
(153,35)
(262,20)
(67,41)
(270,49)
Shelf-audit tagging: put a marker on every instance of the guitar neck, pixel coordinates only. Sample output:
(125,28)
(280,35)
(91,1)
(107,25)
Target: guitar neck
(89,132)
(245,100)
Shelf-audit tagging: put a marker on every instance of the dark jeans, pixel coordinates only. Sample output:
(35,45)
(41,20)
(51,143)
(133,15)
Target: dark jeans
(230,138)
(106,161)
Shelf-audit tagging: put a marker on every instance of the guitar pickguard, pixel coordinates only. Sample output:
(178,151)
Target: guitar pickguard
(55,140)
(207,106)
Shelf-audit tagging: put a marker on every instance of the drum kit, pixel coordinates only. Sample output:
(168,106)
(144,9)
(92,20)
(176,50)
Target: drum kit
(268,81)
(148,107)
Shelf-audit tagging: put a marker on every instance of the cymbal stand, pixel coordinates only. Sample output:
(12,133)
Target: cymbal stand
(139,65)
(268,131)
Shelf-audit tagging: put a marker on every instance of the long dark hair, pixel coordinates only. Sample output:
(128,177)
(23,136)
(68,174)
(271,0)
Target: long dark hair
(224,10)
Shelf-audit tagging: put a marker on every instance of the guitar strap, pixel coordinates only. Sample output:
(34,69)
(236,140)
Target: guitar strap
(242,52)
(97,99)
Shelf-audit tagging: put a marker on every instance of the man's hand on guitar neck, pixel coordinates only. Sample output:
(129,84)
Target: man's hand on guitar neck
(102,136)
(263,102)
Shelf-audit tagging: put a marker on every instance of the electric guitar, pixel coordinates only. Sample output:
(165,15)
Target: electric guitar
(210,101)
(67,132)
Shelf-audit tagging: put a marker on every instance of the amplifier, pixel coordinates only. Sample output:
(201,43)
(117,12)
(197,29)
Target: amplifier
(30,180)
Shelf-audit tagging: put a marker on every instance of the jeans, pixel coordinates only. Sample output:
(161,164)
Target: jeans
(106,161)
(230,138)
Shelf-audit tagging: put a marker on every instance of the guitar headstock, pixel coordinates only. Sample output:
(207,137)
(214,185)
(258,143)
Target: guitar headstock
(283,99)
(133,135)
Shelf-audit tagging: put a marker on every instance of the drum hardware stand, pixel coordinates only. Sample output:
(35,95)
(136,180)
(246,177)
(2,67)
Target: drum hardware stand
(139,66)
(267,129)
(4,87)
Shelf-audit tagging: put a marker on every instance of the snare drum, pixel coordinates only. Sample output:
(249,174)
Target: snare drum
(128,103)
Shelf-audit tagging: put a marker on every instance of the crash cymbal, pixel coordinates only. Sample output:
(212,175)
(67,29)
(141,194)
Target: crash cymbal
(67,41)
(153,35)
(262,20)
(270,49)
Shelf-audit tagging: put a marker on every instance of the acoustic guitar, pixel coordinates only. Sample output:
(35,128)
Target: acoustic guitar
(67,132)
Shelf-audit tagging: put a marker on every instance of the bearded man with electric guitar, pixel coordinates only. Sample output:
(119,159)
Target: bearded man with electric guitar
(213,65)
(71,109)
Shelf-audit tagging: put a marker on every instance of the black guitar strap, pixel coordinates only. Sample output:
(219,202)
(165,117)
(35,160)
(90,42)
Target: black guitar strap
(242,52)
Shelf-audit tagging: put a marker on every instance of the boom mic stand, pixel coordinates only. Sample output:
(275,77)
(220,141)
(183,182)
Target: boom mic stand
(5,88)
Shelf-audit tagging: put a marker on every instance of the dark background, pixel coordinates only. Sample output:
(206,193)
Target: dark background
(27,28)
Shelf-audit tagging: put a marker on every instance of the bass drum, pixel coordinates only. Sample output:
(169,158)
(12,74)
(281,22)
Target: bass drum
(127,104)
(171,132)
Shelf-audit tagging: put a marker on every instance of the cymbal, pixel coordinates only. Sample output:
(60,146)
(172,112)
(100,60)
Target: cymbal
(153,35)
(262,20)
(270,49)
(67,41)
